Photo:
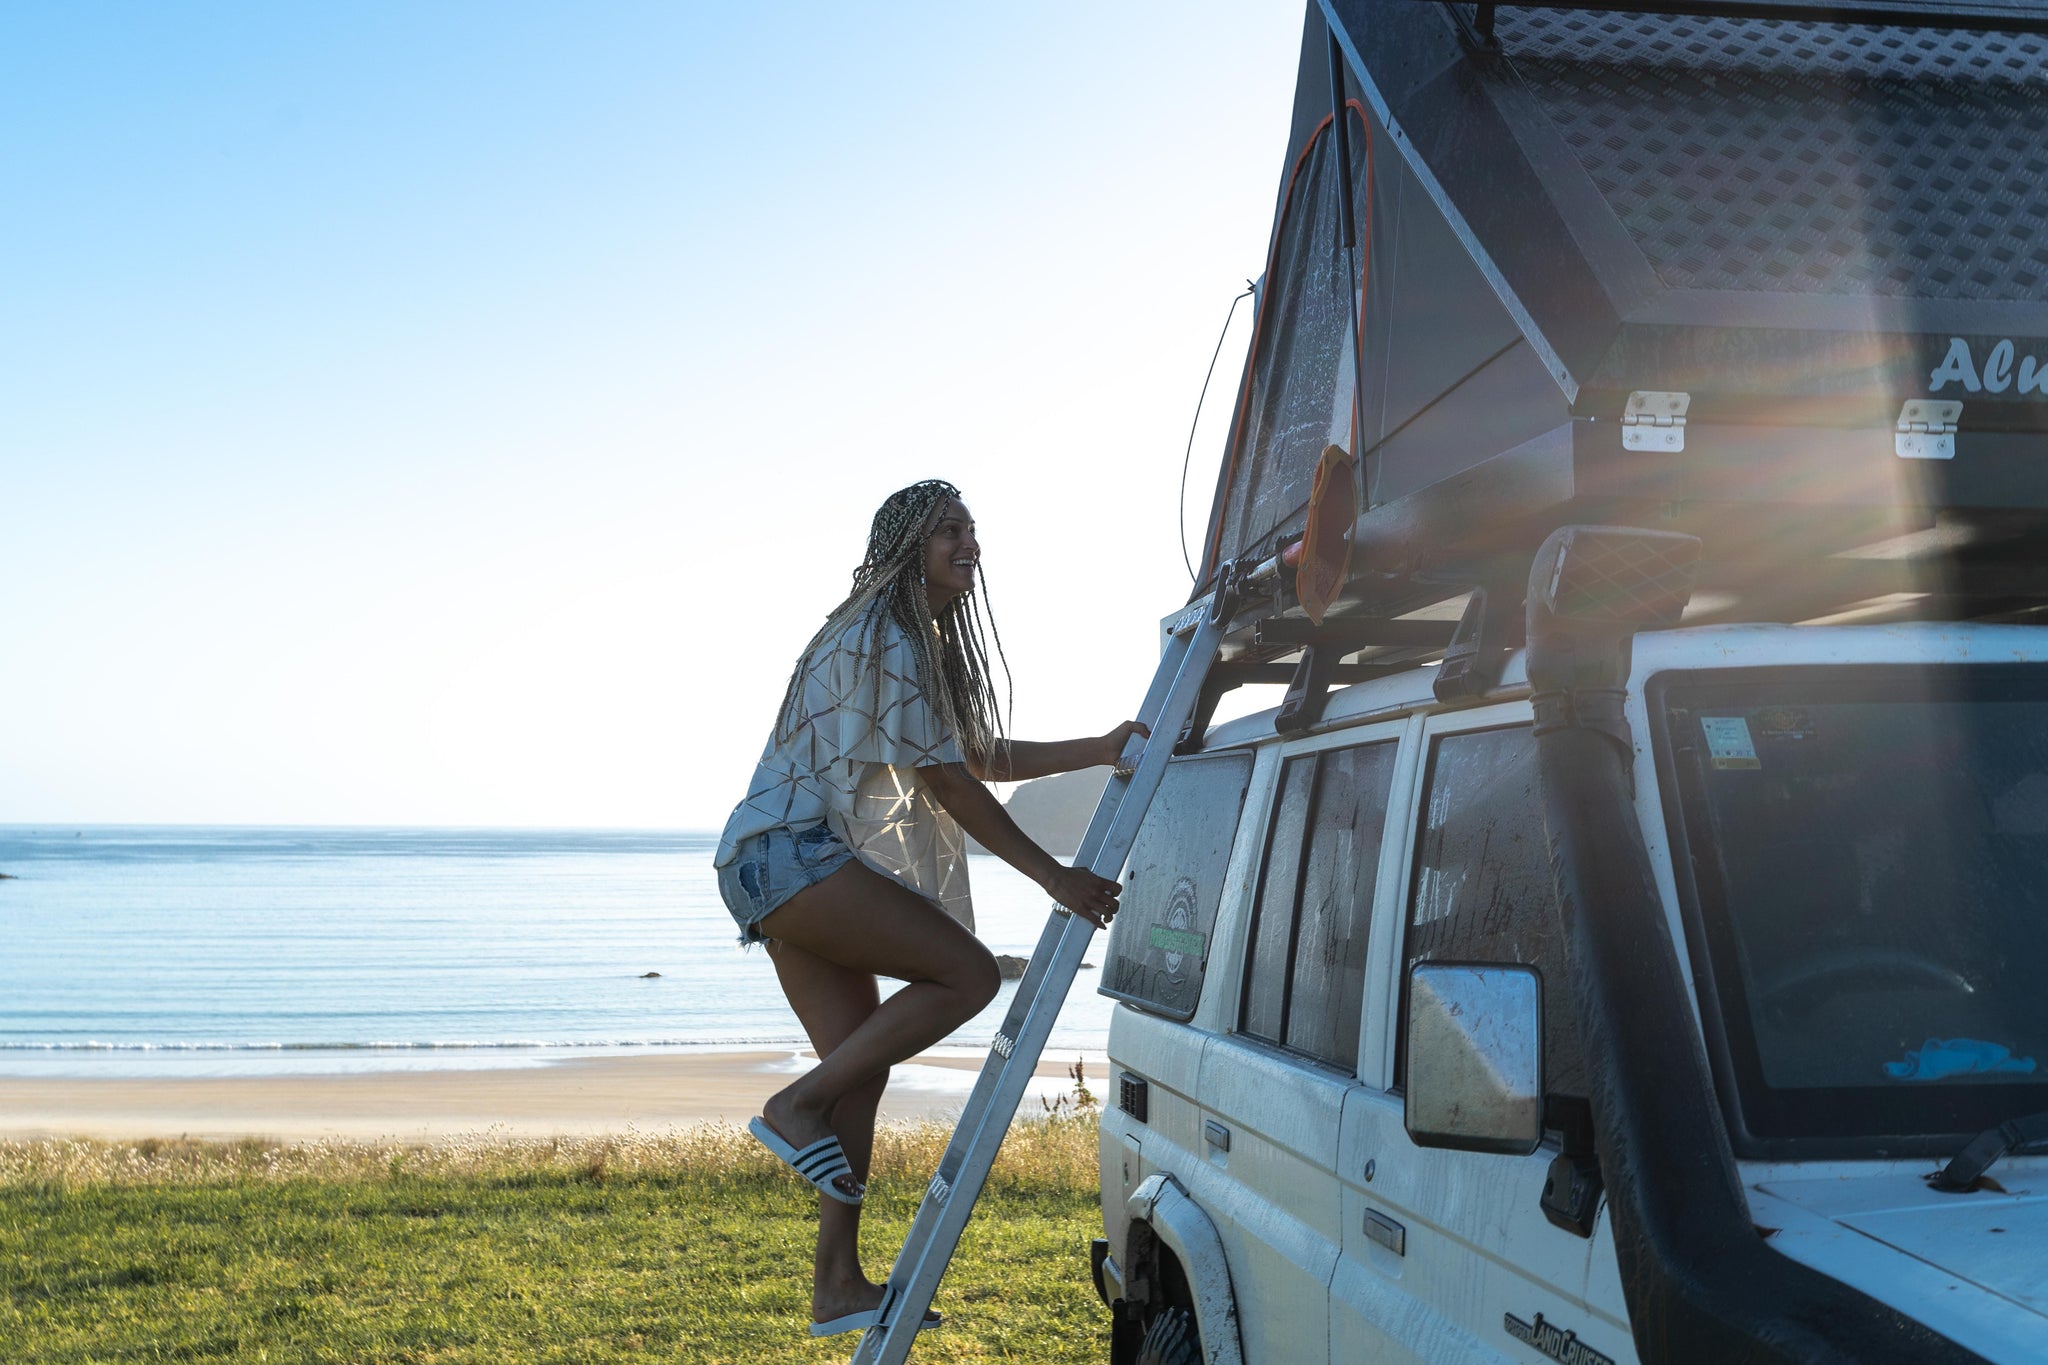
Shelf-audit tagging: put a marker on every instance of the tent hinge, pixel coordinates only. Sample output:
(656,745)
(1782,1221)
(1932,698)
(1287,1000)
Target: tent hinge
(1927,429)
(1654,420)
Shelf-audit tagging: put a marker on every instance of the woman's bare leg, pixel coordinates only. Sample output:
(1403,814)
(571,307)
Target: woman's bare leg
(860,920)
(831,1002)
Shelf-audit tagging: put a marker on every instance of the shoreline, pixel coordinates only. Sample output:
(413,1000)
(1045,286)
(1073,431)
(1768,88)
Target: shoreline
(574,1097)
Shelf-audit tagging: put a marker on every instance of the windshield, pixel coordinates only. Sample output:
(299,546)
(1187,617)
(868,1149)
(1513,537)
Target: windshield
(1868,858)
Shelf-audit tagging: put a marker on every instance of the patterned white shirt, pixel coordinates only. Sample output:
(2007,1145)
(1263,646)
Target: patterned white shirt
(863,728)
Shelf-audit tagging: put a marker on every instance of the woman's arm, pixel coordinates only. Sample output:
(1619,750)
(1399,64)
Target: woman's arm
(1020,760)
(1091,897)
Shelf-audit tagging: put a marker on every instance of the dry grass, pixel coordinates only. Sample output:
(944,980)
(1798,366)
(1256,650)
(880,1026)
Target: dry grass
(1057,1152)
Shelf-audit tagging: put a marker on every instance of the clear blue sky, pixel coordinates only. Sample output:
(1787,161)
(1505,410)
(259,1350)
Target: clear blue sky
(460,413)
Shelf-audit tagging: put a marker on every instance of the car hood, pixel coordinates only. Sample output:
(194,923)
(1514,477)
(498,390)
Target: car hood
(1972,1266)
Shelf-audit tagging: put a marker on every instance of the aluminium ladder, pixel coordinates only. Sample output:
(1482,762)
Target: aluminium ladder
(1193,638)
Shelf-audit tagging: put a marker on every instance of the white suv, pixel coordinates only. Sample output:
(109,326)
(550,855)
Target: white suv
(1372,1100)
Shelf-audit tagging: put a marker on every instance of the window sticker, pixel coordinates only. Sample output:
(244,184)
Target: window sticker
(1176,942)
(1783,722)
(1728,742)
(1939,1058)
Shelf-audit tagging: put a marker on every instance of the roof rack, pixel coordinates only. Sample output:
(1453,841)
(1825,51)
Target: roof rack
(1668,267)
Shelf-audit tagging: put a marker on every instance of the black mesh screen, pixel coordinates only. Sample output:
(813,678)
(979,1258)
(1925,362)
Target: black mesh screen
(1806,158)
(1300,386)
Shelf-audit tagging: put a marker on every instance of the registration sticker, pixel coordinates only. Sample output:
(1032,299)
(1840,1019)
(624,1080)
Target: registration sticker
(1728,742)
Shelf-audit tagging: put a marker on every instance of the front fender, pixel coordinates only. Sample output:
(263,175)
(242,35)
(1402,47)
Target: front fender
(1163,1210)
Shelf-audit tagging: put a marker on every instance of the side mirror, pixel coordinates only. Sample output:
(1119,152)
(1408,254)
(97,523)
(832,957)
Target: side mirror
(1475,1057)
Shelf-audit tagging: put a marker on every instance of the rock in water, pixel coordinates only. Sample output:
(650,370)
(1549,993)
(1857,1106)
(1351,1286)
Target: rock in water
(1055,810)
(645,975)
(1011,968)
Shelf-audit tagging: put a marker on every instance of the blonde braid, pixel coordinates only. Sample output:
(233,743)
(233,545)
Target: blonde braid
(955,675)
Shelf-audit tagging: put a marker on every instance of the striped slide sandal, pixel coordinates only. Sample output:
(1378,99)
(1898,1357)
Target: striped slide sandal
(823,1162)
(860,1322)
(856,1322)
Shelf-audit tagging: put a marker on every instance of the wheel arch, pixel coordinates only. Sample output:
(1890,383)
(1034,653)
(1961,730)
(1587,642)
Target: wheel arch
(1165,1222)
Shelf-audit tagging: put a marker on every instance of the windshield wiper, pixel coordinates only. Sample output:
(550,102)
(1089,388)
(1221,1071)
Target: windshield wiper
(2014,1135)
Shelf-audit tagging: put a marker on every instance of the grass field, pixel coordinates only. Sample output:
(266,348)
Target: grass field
(688,1247)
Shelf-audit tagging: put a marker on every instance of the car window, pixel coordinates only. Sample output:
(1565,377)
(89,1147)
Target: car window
(1265,978)
(1305,963)
(1867,852)
(1158,950)
(1482,890)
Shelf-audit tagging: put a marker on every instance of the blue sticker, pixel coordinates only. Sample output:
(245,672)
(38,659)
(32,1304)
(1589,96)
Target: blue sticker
(1728,742)
(1940,1058)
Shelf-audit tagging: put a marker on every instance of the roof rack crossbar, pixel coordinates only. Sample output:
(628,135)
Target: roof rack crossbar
(1996,16)
(1351,633)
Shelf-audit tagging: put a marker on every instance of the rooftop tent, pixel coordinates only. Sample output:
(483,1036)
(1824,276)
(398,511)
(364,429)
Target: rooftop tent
(1793,228)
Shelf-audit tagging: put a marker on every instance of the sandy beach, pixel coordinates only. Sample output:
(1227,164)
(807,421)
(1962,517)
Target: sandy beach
(576,1097)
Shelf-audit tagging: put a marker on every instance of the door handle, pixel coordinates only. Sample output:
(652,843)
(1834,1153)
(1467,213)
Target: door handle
(1386,1232)
(1216,1133)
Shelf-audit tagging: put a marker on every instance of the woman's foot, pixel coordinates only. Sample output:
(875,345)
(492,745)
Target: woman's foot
(800,1127)
(794,1124)
(837,1299)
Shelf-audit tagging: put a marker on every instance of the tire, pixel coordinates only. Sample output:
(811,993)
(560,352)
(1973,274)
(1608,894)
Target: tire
(1171,1340)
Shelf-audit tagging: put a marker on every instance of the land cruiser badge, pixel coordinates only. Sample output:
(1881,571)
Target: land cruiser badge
(1554,1341)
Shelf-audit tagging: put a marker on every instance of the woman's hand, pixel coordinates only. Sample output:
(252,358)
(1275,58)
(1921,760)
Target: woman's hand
(1113,742)
(1091,897)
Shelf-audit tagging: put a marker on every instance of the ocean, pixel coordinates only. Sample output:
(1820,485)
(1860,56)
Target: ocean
(145,951)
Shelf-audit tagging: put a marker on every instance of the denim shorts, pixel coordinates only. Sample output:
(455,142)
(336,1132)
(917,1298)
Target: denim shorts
(772,866)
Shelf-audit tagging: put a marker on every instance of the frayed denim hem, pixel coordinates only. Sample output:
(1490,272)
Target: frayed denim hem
(772,866)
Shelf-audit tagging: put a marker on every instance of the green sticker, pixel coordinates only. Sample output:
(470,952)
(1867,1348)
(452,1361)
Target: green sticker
(1178,940)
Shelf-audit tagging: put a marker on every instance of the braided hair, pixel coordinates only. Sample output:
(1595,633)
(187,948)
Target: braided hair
(952,660)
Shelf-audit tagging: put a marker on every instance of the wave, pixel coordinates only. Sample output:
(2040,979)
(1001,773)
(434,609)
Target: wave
(792,1040)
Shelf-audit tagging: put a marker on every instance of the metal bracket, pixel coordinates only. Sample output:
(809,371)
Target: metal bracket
(1323,645)
(1308,690)
(1654,420)
(1572,1187)
(1927,429)
(1219,681)
(1476,29)
(1571,1193)
(1478,652)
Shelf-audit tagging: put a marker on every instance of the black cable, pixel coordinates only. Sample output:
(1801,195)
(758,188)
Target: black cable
(1250,287)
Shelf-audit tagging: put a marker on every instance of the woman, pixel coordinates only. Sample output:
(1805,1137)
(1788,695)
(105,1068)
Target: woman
(846,857)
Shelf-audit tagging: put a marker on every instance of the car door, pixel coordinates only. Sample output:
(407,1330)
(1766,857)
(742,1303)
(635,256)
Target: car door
(1446,1255)
(1185,869)
(1274,1085)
